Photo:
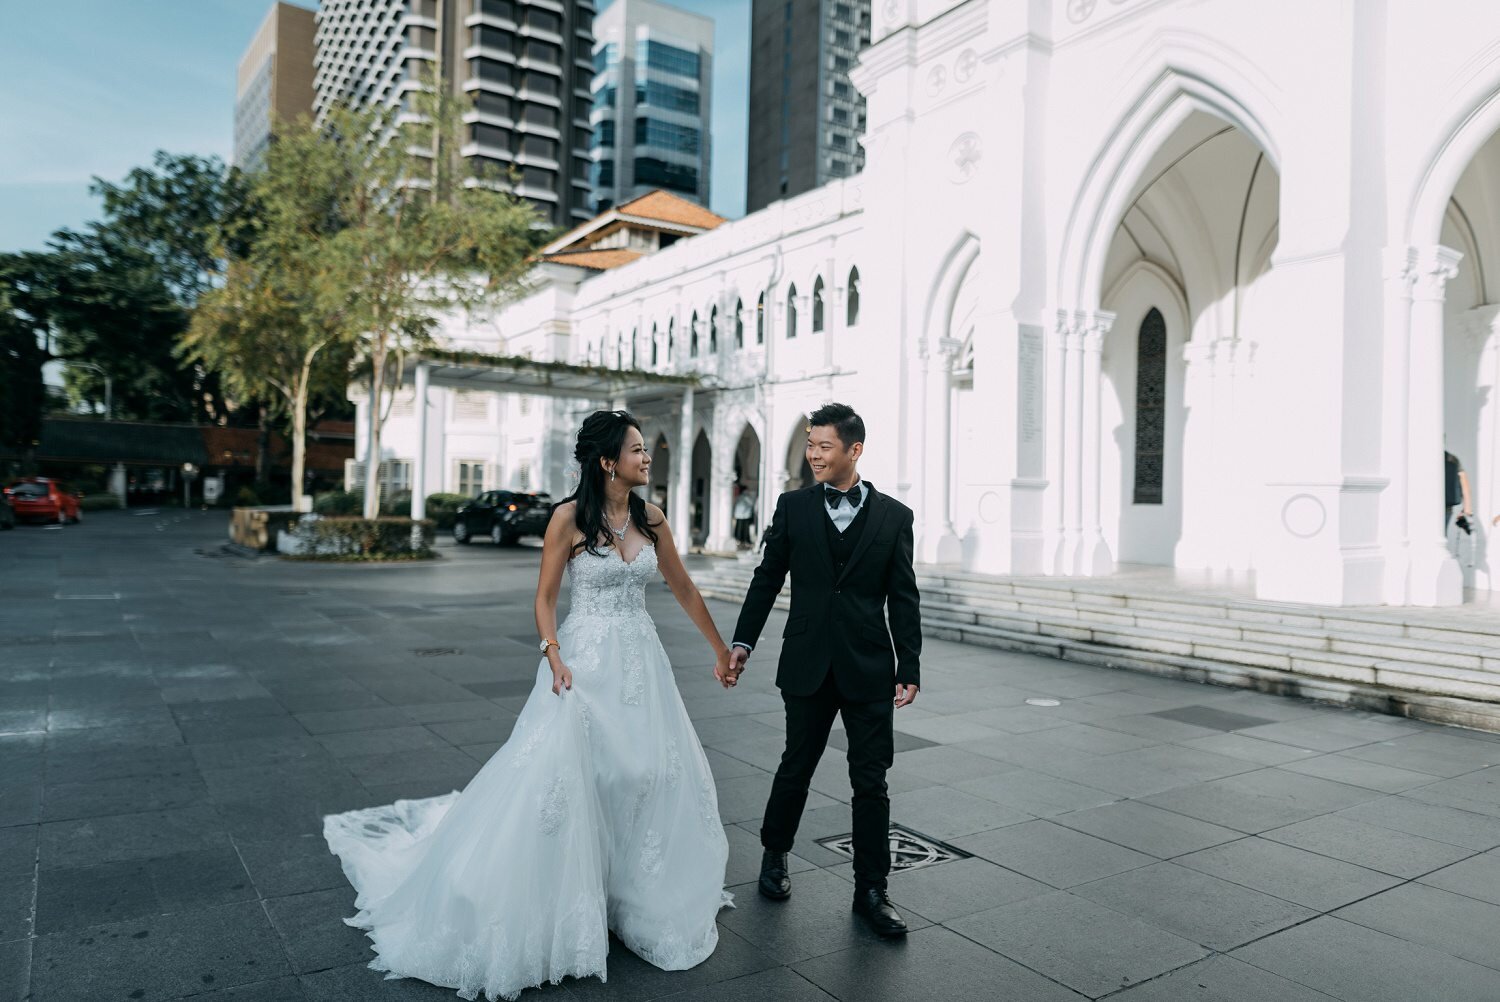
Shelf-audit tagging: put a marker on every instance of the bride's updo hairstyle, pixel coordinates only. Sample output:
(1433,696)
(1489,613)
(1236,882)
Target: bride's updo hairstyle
(602,437)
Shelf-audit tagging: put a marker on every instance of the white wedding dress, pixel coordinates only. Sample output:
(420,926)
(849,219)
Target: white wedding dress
(599,814)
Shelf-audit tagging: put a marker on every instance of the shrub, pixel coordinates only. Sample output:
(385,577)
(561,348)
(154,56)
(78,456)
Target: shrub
(337,503)
(99,502)
(347,538)
(246,497)
(397,504)
(442,508)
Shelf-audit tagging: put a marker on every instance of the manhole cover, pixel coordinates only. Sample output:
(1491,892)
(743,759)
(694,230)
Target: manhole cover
(910,850)
(1043,702)
(435,652)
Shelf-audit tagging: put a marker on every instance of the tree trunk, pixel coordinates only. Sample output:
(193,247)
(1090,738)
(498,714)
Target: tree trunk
(299,436)
(372,453)
(263,448)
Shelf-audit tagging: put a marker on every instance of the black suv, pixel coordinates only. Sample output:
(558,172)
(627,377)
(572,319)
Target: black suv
(503,516)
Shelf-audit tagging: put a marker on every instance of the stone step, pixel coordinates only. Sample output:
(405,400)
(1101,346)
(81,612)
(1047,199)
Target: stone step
(1364,659)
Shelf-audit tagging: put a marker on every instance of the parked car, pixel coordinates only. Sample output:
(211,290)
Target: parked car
(7,512)
(503,516)
(44,498)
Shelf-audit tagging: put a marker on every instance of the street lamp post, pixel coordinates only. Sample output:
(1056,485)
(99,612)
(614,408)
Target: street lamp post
(189,471)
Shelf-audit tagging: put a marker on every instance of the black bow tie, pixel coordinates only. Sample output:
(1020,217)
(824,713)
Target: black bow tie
(833,496)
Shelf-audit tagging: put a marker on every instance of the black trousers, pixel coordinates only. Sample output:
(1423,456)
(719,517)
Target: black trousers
(871,749)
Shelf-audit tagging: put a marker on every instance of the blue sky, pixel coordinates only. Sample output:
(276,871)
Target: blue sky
(95,87)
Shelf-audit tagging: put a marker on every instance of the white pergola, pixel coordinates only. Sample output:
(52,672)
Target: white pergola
(615,388)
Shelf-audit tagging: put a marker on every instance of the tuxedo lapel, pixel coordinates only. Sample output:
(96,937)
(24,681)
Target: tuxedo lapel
(876,516)
(813,524)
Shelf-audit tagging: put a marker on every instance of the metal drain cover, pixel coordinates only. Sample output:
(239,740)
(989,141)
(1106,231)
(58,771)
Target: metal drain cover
(910,850)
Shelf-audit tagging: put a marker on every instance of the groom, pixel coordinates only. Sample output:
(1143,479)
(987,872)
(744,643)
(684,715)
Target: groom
(848,549)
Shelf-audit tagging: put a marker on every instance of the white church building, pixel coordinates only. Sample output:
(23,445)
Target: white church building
(1202,284)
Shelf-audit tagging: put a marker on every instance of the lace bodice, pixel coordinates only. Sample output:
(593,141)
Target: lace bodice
(608,585)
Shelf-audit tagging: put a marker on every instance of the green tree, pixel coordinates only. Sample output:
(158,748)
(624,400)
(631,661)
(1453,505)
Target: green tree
(356,241)
(22,394)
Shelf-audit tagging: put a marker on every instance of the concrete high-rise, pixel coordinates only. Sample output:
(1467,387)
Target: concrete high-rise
(805,115)
(275,80)
(522,66)
(652,100)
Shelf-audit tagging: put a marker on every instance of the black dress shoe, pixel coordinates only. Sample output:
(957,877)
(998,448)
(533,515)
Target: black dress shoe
(872,903)
(775,883)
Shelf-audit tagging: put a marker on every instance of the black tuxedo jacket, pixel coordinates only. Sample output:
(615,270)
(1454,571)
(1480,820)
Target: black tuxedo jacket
(838,622)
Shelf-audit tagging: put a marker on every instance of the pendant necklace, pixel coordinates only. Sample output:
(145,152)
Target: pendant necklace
(620,532)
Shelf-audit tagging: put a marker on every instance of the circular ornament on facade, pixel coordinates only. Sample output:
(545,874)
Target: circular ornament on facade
(936,77)
(1079,10)
(1304,516)
(989,508)
(890,10)
(965,153)
(965,65)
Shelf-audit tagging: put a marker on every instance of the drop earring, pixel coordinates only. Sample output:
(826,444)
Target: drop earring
(611,476)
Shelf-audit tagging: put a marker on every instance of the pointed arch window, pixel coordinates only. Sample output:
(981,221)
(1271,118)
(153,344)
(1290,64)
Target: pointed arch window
(760,319)
(791,312)
(713,330)
(851,307)
(693,336)
(739,324)
(817,305)
(1150,408)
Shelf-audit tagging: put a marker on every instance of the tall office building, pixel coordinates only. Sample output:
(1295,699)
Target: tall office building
(275,80)
(805,116)
(651,102)
(522,66)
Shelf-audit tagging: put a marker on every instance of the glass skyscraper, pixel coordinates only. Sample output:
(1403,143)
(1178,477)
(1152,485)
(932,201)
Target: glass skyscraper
(651,102)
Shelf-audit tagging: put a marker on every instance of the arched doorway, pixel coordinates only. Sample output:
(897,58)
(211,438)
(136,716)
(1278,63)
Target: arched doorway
(1177,462)
(798,472)
(661,474)
(1471,362)
(747,488)
(700,487)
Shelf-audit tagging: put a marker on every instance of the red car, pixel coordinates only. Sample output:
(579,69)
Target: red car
(43,498)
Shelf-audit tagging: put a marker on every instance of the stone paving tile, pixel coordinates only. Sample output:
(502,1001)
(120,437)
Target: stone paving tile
(313,931)
(1257,801)
(1220,979)
(15,970)
(1194,905)
(631,978)
(1357,964)
(1052,854)
(1092,949)
(1476,877)
(1358,772)
(1251,749)
(1477,792)
(18,850)
(1439,753)
(131,836)
(1147,829)
(1453,923)
(962,887)
(932,963)
(1287,872)
(779,983)
(75,897)
(17,897)
(292,865)
(161,957)
(1433,821)
(1036,793)
(1371,846)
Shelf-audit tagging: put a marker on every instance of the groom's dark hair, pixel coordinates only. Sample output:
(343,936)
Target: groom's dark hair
(849,426)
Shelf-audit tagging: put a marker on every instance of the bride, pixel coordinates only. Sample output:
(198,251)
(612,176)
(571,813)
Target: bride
(598,814)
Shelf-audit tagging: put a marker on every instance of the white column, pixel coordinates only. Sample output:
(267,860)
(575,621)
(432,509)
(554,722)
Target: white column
(419,464)
(1094,558)
(1436,578)
(720,537)
(1400,273)
(938,542)
(1072,469)
(1055,438)
(681,515)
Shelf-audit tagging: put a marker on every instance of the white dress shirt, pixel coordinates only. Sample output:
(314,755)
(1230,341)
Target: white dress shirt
(844,514)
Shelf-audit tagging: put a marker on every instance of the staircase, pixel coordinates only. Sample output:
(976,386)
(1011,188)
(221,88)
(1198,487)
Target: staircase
(1437,665)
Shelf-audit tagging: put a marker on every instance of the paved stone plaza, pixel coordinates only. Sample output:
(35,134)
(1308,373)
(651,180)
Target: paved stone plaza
(174,722)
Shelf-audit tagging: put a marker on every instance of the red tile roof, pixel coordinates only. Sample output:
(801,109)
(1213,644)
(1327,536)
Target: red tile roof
(598,260)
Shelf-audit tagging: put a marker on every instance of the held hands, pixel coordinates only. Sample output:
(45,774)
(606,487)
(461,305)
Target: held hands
(728,665)
(905,694)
